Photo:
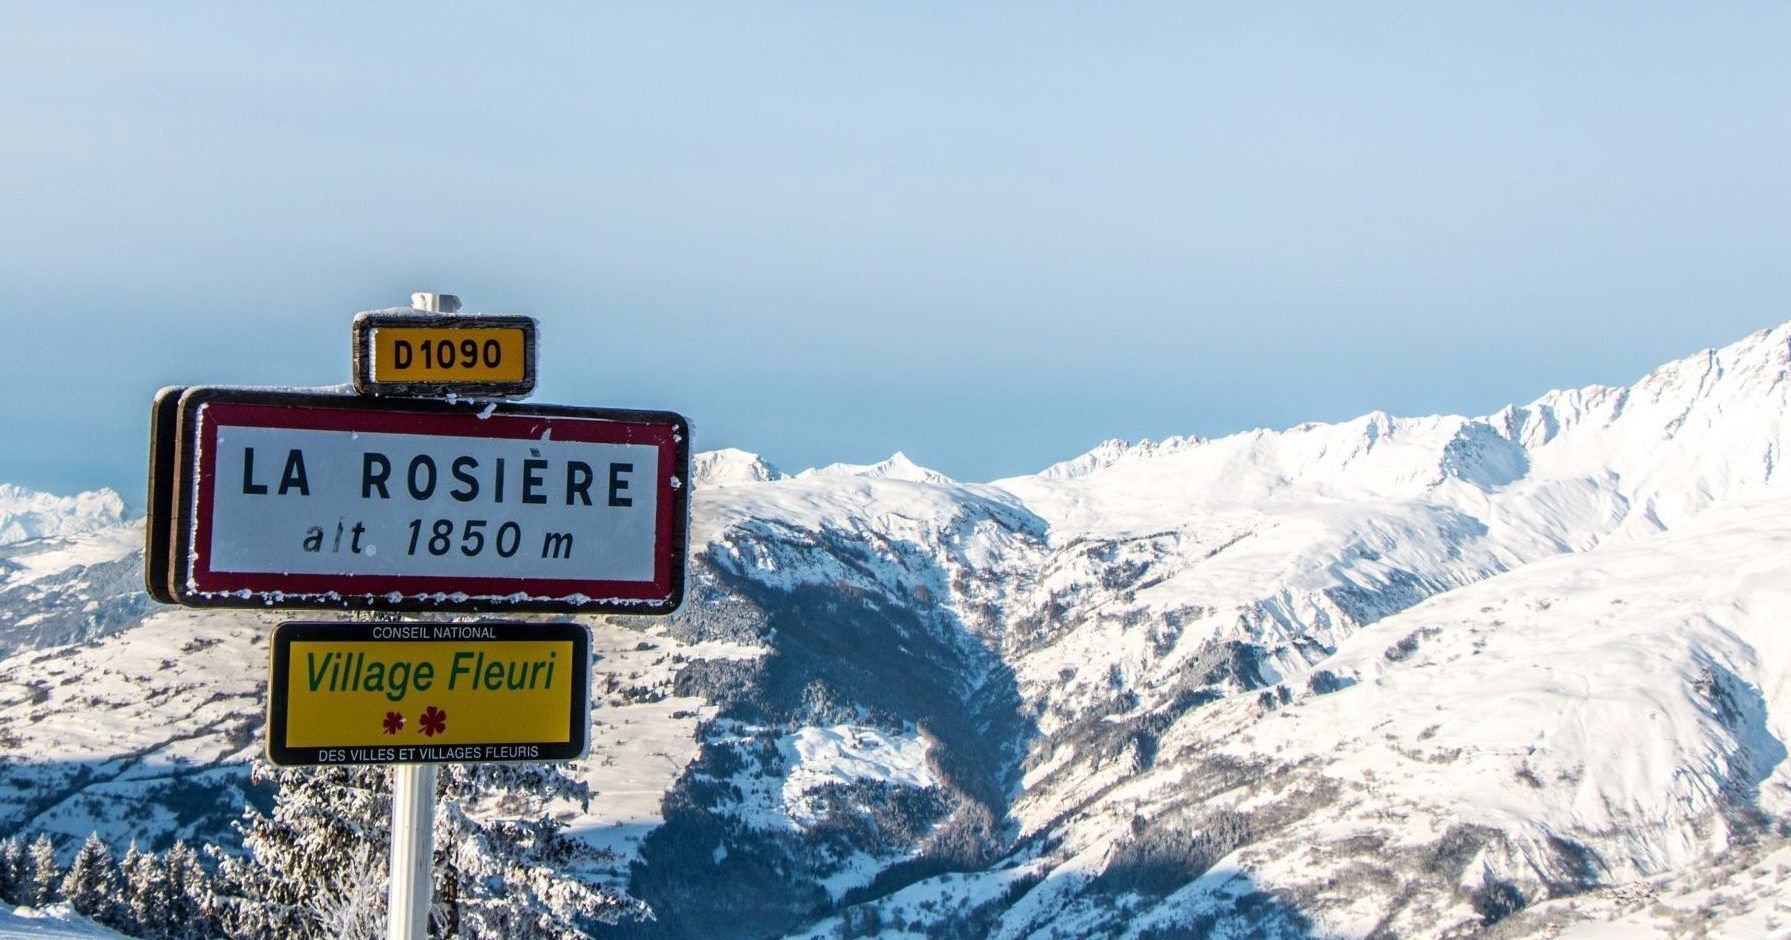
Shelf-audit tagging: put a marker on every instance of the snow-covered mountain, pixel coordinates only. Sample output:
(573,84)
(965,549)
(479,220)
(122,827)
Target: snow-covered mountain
(730,466)
(29,514)
(1391,676)
(85,579)
(896,466)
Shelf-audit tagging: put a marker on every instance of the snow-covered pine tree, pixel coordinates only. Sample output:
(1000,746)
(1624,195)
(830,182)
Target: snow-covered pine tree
(12,863)
(139,883)
(91,884)
(45,876)
(357,908)
(505,866)
(309,861)
(147,895)
(193,895)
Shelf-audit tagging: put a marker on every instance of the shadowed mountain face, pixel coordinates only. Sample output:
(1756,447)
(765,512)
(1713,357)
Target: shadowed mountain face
(1395,676)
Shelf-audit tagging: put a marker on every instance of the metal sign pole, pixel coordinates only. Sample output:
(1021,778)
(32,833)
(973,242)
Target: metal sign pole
(411,889)
(413,850)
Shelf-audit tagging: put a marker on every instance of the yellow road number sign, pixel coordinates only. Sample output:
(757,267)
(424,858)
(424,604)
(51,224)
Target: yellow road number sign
(381,693)
(429,354)
(448,354)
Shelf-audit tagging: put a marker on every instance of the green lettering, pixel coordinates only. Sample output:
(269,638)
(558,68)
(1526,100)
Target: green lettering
(454,673)
(421,676)
(399,677)
(315,671)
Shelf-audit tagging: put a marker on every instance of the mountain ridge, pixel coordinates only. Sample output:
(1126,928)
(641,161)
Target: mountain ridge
(32,514)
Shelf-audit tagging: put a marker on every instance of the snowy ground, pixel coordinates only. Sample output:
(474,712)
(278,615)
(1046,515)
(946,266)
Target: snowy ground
(641,736)
(56,922)
(53,556)
(1739,899)
(820,756)
(144,735)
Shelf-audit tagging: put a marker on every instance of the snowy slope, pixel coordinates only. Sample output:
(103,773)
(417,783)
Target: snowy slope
(1595,719)
(1288,541)
(68,588)
(1145,587)
(56,922)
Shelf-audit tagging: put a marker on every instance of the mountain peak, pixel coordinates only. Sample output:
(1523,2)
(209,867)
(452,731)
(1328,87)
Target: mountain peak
(31,514)
(731,466)
(896,466)
(1112,451)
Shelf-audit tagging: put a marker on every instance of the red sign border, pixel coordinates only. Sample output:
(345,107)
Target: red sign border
(193,583)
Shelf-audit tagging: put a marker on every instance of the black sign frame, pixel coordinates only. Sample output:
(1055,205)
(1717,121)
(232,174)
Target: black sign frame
(159,521)
(169,562)
(279,665)
(366,323)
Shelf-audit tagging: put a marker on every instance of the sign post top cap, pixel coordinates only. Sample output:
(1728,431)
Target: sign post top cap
(434,302)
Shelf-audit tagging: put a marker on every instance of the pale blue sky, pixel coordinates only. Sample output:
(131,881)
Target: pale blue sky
(989,235)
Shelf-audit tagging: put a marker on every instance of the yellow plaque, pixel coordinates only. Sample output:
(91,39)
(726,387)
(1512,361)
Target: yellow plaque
(414,354)
(359,693)
(436,354)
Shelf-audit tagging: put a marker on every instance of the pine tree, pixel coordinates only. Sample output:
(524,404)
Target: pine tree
(147,897)
(317,866)
(356,907)
(520,876)
(12,861)
(91,884)
(45,875)
(192,895)
(310,860)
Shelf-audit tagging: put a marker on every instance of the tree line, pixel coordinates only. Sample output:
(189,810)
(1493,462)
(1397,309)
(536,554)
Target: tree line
(316,865)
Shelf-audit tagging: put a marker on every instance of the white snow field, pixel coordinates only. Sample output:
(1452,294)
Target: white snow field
(45,558)
(56,922)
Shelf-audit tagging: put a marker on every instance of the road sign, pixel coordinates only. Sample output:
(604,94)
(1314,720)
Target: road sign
(385,693)
(430,354)
(311,500)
